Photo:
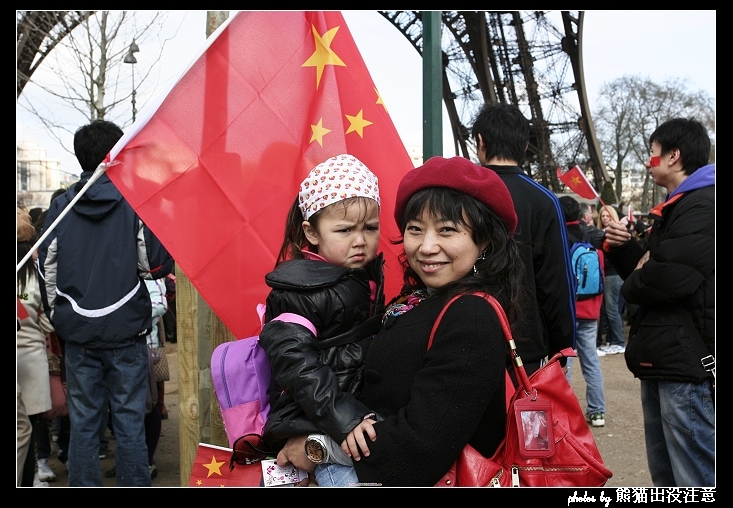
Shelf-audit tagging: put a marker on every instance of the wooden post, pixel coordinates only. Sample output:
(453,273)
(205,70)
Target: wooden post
(218,333)
(199,332)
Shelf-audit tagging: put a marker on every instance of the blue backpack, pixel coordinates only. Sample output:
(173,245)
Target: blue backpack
(588,269)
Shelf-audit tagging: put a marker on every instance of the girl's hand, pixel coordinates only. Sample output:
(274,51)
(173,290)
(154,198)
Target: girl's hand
(355,442)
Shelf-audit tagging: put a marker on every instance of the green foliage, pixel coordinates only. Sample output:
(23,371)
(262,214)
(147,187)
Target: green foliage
(608,195)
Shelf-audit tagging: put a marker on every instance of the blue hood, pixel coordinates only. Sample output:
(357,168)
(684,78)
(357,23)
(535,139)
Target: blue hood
(99,199)
(703,177)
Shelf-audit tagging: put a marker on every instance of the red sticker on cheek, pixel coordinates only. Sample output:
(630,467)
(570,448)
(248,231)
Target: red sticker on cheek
(655,161)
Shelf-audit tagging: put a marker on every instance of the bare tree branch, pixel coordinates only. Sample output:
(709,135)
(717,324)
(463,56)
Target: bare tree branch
(629,110)
(85,78)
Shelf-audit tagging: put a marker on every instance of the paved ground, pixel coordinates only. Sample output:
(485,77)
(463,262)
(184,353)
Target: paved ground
(621,441)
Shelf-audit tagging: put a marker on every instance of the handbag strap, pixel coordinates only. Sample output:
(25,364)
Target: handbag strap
(519,370)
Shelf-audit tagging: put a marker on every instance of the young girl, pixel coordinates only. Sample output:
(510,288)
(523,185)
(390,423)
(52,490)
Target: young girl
(328,272)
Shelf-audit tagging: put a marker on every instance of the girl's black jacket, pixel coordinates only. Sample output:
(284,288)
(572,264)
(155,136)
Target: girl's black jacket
(313,375)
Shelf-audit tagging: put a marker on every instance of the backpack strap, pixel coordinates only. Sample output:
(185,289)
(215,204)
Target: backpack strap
(289,317)
(286,317)
(360,331)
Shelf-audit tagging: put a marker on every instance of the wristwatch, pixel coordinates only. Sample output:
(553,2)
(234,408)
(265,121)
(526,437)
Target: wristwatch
(315,448)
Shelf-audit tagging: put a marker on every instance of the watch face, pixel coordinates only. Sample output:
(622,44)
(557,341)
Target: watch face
(314,451)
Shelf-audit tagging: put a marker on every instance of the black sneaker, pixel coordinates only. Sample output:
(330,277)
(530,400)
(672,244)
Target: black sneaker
(596,419)
(153,471)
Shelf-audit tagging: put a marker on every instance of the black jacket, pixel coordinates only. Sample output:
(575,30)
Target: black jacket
(675,291)
(434,401)
(549,316)
(312,377)
(94,263)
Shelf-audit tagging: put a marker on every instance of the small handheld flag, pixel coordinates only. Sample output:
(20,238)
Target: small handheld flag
(576,181)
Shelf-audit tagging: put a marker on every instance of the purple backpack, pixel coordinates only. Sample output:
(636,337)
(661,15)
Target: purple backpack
(241,373)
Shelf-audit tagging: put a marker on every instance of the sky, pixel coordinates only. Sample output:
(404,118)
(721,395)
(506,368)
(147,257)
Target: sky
(658,45)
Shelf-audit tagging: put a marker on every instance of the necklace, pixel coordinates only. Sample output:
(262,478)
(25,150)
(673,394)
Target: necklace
(402,304)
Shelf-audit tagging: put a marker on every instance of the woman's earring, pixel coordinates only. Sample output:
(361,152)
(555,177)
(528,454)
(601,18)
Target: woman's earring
(482,257)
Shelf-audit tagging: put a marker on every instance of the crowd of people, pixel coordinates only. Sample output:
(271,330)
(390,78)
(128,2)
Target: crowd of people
(377,395)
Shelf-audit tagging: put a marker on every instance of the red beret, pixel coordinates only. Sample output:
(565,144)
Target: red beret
(462,175)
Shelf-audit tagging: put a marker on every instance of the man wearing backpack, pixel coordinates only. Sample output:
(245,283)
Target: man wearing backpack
(671,346)
(587,311)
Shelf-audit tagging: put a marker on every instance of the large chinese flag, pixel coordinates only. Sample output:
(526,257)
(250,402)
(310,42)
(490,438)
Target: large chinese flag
(215,168)
(578,183)
(211,469)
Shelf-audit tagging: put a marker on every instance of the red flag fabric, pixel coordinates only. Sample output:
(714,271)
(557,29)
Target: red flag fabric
(211,469)
(215,168)
(576,181)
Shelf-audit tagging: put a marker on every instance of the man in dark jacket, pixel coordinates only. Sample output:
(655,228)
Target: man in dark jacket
(671,345)
(502,136)
(93,263)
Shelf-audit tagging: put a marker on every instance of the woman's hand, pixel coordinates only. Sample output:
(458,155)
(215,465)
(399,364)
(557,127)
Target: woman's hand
(355,442)
(294,453)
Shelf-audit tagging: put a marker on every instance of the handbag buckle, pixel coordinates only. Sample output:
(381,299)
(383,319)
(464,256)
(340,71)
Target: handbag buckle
(708,363)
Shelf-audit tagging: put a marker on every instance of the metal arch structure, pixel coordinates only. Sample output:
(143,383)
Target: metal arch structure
(532,59)
(38,33)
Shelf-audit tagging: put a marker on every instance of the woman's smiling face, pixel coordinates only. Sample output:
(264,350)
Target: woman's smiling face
(439,250)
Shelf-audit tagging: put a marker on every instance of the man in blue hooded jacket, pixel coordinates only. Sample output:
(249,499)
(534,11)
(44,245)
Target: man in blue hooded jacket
(671,346)
(94,263)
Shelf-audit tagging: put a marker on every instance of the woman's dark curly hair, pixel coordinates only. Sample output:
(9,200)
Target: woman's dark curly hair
(500,271)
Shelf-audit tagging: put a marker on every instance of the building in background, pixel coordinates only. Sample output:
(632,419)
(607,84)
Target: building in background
(415,153)
(37,176)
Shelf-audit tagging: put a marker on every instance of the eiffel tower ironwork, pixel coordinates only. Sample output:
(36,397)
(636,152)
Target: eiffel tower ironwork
(532,59)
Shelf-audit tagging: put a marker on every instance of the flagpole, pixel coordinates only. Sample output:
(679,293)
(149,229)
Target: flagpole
(95,176)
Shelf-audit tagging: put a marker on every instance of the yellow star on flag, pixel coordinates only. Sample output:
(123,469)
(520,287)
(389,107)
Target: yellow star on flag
(199,482)
(357,123)
(575,180)
(379,99)
(323,55)
(318,132)
(214,466)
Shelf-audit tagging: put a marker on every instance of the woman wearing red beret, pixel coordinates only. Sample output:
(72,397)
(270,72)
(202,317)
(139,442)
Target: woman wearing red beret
(457,220)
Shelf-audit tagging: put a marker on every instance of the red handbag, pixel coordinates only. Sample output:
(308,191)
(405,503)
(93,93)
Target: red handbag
(547,443)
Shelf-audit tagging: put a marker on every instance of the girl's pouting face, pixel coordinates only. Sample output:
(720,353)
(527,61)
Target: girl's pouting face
(438,250)
(348,232)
